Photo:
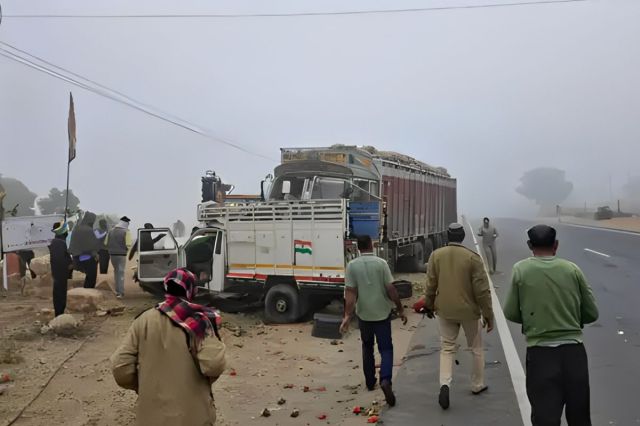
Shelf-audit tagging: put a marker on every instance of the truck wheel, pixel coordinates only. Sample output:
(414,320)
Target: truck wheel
(282,304)
(428,249)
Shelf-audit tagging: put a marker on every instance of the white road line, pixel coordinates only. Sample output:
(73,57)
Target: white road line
(518,378)
(596,228)
(596,252)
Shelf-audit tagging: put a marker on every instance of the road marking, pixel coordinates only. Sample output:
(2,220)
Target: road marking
(596,228)
(596,252)
(518,378)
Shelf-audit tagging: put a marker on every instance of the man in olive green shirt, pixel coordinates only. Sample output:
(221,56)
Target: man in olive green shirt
(550,297)
(458,292)
(369,289)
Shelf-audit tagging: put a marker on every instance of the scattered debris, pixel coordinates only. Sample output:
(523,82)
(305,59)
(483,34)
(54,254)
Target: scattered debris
(321,416)
(282,401)
(335,342)
(357,410)
(289,386)
(233,373)
(64,325)
(295,413)
(373,419)
(5,378)
(9,352)
(265,413)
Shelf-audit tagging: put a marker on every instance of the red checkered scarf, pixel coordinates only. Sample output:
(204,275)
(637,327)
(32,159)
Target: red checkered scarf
(198,321)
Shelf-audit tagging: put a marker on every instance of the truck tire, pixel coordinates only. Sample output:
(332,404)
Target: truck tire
(428,249)
(282,304)
(408,264)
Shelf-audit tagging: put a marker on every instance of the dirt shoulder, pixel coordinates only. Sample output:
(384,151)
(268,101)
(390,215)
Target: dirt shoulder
(266,363)
(631,224)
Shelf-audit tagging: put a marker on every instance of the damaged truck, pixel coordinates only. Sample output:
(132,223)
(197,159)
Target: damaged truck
(289,247)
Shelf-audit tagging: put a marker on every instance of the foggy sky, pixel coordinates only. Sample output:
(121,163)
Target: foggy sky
(486,93)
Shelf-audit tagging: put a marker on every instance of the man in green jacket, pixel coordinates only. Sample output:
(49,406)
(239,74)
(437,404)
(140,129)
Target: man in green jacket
(550,297)
(458,292)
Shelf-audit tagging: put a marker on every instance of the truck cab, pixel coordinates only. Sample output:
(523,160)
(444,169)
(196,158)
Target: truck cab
(291,255)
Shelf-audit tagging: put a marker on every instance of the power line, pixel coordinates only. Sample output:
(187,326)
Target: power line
(116,96)
(291,14)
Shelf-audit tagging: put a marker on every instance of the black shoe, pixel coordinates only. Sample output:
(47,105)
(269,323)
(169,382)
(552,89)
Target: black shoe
(480,391)
(388,393)
(443,399)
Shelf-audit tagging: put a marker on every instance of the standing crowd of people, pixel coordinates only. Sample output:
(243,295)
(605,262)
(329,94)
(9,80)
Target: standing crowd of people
(88,249)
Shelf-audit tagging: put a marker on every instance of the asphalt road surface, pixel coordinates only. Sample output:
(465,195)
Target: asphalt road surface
(611,262)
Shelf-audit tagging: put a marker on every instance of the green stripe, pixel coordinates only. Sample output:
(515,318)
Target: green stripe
(303,250)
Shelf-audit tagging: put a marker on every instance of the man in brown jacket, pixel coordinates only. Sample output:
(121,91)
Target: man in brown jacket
(458,293)
(170,356)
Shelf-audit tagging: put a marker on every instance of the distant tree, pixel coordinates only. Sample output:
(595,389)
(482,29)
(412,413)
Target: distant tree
(546,186)
(55,202)
(17,195)
(632,188)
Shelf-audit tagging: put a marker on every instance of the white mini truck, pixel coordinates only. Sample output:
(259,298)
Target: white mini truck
(291,254)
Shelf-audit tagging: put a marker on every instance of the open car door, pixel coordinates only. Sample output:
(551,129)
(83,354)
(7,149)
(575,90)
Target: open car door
(158,254)
(198,254)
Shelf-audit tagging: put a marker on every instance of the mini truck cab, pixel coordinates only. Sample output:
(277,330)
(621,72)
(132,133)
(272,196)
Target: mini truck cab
(290,254)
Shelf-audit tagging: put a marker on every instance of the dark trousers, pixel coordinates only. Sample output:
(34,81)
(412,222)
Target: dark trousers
(59,295)
(558,378)
(380,331)
(90,269)
(104,261)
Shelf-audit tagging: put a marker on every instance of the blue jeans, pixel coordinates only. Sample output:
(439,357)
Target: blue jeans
(380,331)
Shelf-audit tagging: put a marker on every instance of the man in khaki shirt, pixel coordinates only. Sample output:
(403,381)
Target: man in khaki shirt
(458,293)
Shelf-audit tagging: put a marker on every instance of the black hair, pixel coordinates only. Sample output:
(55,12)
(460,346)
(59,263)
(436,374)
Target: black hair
(364,243)
(456,236)
(176,290)
(486,219)
(148,226)
(542,236)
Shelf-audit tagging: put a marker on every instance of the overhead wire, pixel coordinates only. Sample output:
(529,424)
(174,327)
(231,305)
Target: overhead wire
(116,96)
(291,14)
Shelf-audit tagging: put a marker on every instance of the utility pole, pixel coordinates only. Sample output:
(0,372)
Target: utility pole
(5,274)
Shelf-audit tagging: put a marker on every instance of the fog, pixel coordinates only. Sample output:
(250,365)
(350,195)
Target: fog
(487,93)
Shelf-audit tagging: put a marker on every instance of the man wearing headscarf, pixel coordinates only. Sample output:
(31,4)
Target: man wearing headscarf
(458,293)
(171,356)
(118,243)
(61,264)
(84,248)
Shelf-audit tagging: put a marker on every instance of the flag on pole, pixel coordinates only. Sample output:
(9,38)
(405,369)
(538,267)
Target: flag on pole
(71,126)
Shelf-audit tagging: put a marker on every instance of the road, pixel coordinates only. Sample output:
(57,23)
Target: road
(609,259)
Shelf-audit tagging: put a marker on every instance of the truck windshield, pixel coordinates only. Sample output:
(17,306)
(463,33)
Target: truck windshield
(296,186)
(328,189)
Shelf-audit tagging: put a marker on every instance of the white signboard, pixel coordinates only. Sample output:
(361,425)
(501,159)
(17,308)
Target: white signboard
(28,232)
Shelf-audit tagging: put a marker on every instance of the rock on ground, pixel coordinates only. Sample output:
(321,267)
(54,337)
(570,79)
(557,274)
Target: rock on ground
(64,325)
(41,265)
(84,299)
